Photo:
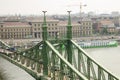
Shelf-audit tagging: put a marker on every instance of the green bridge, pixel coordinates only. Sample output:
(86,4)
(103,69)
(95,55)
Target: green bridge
(58,59)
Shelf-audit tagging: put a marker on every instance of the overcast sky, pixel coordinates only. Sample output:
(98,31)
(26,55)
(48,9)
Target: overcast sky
(25,7)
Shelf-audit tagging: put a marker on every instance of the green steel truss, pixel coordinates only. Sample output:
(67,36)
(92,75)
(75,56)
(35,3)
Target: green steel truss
(4,45)
(59,59)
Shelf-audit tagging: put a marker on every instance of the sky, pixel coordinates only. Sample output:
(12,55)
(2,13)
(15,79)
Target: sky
(35,7)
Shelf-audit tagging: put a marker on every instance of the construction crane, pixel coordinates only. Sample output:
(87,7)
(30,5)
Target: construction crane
(81,6)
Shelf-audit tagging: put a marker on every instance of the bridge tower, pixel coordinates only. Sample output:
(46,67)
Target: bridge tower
(44,49)
(69,44)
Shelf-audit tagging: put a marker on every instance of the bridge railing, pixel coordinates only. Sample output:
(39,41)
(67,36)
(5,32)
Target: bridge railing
(83,67)
(89,67)
(62,66)
(4,45)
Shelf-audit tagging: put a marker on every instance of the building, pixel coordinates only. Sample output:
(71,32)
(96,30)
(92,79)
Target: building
(86,27)
(107,27)
(52,27)
(15,30)
(63,29)
(118,30)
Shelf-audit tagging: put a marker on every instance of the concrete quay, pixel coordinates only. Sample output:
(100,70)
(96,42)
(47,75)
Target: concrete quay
(20,42)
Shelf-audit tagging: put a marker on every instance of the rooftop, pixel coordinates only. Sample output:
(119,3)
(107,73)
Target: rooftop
(16,24)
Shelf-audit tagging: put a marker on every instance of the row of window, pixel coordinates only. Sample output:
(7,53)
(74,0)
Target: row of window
(55,28)
(86,23)
(20,33)
(78,28)
(53,24)
(85,27)
(13,36)
(7,30)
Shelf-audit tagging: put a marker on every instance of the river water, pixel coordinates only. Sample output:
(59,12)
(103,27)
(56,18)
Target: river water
(108,57)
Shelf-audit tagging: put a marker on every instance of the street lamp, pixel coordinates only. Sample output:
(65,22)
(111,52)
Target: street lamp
(44,27)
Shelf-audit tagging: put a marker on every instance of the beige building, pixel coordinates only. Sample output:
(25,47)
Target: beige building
(15,30)
(63,29)
(109,25)
(52,27)
(86,27)
(33,29)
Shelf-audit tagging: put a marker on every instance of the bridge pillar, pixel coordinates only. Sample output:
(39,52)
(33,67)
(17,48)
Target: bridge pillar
(44,48)
(69,44)
(44,28)
(69,27)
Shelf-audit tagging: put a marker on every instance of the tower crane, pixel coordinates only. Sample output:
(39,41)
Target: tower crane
(81,6)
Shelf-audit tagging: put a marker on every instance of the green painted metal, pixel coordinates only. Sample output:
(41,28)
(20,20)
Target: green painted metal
(88,68)
(93,71)
(44,49)
(69,44)
(66,62)
(4,45)
(44,28)
(101,69)
(69,27)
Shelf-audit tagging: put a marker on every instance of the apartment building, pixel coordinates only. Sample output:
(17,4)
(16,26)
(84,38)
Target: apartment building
(33,29)
(86,27)
(15,30)
(52,27)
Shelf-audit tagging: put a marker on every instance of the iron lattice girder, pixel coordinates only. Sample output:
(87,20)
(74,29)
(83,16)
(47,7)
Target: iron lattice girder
(35,55)
(65,61)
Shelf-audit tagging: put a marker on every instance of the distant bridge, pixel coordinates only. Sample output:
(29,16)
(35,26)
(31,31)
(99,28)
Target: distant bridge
(58,59)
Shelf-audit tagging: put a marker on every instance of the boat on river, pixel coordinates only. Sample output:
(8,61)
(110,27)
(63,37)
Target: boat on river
(98,43)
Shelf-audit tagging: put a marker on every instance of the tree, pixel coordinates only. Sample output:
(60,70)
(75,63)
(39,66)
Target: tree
(104,30)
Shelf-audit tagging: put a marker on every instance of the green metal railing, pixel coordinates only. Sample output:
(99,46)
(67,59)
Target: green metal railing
(90,67)
(4,45)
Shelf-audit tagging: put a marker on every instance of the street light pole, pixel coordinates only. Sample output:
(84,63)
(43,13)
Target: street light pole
(44,27)
(69,27)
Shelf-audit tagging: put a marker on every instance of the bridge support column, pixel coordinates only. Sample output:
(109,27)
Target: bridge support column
(38,78)
(44,48)
(69,44)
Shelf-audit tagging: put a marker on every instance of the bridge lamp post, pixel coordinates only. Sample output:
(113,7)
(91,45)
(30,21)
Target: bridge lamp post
(44,48)
(44,28)
(69,27)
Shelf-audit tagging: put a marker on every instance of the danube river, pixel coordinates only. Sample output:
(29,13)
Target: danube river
(108,57)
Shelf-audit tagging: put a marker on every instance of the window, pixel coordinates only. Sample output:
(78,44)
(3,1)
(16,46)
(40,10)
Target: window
(35,29)
(48,24)
(34,24)
(1,25)
(55,24)
(38,28)
(52,24)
